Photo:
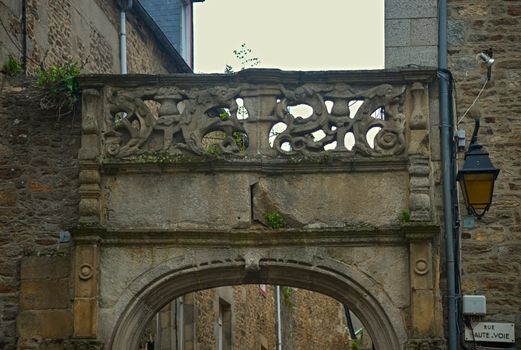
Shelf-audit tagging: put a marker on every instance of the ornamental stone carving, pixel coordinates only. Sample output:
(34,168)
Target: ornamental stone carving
(174,122)
(418,117)
(132,120)
(384,99)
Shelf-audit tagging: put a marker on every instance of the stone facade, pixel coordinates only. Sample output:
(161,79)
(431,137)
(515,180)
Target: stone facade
(86,32)
(131,169)
(309,320)
(411,33)
(491,251)
(38,199)
(39,195)
(33,202)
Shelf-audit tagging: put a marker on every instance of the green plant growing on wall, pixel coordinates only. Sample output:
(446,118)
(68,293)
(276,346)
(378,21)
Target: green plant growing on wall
(239,138)
(214,151)
(405,216)
(275,220)
(354,345)
(62,85)
(287,294)
(12,67)
(245,58)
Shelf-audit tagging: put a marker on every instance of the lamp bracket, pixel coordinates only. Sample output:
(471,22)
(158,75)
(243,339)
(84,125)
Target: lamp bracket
(474,138)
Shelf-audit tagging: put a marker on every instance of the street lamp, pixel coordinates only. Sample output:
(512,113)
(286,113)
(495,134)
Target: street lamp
(477,177)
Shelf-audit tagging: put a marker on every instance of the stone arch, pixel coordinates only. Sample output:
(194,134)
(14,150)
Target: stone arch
(149,292)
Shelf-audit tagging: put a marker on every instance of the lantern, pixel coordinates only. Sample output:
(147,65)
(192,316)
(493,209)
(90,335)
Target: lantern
(477,178)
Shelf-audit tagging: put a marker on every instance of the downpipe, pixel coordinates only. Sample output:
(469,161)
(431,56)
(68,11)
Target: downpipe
(123,35)
(279,318)
(447,171)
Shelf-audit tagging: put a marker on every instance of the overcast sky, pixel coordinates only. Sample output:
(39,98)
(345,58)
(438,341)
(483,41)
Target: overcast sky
(290,34)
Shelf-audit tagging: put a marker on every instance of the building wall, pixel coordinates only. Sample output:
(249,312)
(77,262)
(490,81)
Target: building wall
(313,321)
(38,197)
(309,320)
(491,262)
(411,33)
(86,32)
(491,251)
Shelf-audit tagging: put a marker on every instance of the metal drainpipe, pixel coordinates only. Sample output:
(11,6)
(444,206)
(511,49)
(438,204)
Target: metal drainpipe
(24,36)
(447,169)
(123,35)
(279,319)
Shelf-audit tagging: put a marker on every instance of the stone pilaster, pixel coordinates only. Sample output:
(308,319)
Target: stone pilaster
(89,179)
(420,204)
(86,279)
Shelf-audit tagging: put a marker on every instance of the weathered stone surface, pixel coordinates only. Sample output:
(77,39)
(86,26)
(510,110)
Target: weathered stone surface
(45,267)
(401,56)
(45,294)
(185,201)
(410,9)
(371,261)
(47,324)
(45,193)
(397,32)
(424,31)
(85,33)
(85,317)
(333,201)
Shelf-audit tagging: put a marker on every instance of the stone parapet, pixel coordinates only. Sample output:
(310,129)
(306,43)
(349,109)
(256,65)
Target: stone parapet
(249,123)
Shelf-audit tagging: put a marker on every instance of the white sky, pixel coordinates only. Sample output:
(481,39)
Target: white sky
(290,34)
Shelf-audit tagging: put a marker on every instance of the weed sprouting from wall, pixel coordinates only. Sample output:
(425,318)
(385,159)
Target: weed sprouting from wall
(62,87)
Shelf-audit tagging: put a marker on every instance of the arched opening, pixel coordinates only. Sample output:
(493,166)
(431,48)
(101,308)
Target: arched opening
(154,289)
(255,316)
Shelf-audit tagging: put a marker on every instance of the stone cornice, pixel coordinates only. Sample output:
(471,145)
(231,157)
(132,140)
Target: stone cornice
(262,76)
(392,235)
(262,166)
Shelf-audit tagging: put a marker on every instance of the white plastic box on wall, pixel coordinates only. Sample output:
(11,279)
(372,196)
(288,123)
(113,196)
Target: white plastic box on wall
(474,305)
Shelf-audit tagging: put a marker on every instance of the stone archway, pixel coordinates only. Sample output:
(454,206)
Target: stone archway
(158,286)
(359,223)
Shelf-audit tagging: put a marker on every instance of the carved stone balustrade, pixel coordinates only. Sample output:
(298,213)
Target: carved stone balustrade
(171,115)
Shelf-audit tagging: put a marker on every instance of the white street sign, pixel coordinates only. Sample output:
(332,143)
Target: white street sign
(491,332)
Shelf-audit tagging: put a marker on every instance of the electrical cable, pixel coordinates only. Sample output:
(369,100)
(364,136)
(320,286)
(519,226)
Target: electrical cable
(16,45)
(473,103)
(9,36)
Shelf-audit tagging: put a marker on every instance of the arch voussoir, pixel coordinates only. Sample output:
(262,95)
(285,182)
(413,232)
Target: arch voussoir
(148,292)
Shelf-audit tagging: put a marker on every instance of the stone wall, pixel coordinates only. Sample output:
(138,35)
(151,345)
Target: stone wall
(411,33)
(309,320)
(45,316)
(38,191)
(491,251)
(313,321)
(82,31)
